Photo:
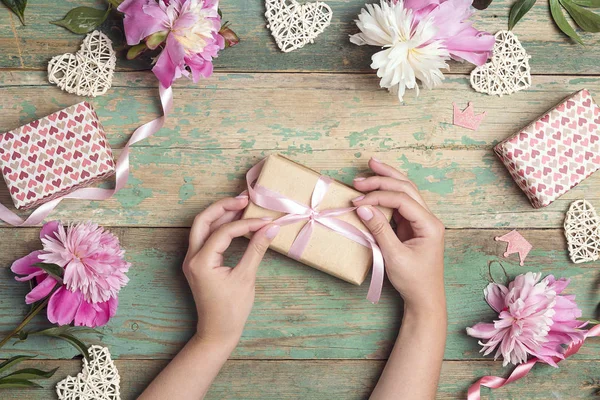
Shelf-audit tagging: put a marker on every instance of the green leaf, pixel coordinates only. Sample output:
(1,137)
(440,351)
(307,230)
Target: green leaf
(588,3)
(115,3)
(83,20)
(18,7)
(136,50)
(65,329)
(78,344)
(481,4)
(53,270)
(587,20)
(518,11)
(156,39)
(17,383)
(561,21)
(31,373)
(13,361)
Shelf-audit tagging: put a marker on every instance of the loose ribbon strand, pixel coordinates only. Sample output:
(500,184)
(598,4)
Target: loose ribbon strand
(495,382)
(121,170)
(296,212)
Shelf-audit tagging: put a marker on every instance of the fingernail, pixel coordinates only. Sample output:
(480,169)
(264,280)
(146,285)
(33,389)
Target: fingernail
(375,159)
(267,218)
(359,179)
(364,213)
(242,196)
(359,198)
(272,231)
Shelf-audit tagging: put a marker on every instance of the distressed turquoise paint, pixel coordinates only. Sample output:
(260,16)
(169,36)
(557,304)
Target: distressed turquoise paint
(29,113)
(470,141)
(419,135)
(357,154)
(370,134)
(187,190)
(432,179)
(345,174)
(134,193)
(247,144)
(291,133)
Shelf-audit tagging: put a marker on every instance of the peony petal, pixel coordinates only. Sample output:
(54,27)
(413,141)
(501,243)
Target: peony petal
(164,69)
(41,290)
(483,330)
(49,229)
(24,266)
(86,315)
(139,24)
(495,296)
(63,305)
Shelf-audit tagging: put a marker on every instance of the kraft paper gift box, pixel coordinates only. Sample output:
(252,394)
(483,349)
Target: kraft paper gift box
(327,250)
(55,155)
(555,152)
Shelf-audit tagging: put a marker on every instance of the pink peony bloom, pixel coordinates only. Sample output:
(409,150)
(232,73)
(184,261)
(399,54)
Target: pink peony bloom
(191,28)
(454,29)
(94,273)
(534,319)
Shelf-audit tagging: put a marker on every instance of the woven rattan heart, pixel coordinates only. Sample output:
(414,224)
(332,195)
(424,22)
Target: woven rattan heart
(582,229)
(507,72)
(88,72)
(99,379)
(293,25)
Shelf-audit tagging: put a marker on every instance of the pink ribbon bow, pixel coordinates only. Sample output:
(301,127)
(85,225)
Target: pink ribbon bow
(121,174)
(296,212)
(495,382)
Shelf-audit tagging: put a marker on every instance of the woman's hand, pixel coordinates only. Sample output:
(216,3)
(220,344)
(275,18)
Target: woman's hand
(414,254)
(224,296)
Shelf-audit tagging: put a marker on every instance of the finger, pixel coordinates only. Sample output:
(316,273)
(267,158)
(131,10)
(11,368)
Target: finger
(380,228)
(226,218)
(201,226)
(383,169)
(422,222)
(390,184)
(212,251)
(256,250)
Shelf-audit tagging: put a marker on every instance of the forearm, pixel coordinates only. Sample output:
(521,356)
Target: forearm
(190,374)
(413,369)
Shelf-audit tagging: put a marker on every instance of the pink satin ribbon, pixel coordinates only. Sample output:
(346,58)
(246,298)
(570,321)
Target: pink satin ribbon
(495,382)
(296,212)
(121,173)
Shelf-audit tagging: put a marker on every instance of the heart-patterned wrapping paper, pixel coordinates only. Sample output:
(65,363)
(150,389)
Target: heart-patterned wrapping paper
(557,151)
(54,156)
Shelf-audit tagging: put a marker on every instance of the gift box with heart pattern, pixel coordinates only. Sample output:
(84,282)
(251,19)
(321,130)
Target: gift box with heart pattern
(55,155)
(557,151)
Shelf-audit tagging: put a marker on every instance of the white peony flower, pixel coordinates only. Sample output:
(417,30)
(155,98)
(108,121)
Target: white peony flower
(410,51)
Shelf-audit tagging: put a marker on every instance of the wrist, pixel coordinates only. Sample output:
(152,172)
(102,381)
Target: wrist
(430,309)
(217,346)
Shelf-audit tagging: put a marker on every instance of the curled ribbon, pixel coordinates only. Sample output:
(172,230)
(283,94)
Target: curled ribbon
(495,382)
(296,212)
(121,173)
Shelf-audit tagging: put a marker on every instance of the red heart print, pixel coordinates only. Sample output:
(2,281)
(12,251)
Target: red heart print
(540,135)
(68,169)
(587,102)
(43,131)
(564,120)
(77,155)
(569,153)
(21,196)
(31,184)
(14,190)
(87,138)
(51,151)
(60,150)
(559,188)
(75,176)
(86,162)
(78,143)
(557,135)
(58,171)
(42,143)
(588,155)
(85,174)
(32,158)
(79,117)
(68,156)
(60,136)
(87,127)
(30,195)
(57,182)
(580,170)
(103,167)
(560,107)
(41,168)
(49,188)
(539,125)
(534,153)
(70,135)
(6,157)
(53,130)
(552,152)
(582,121)
(577,138)
(25,138)
(547,171)
(49,163)
(40,178)
(13,177)
(52,117)
(80,107)
(94,157)
(95,148)
(71,123)
(16,155)
(541,187)
(35,123)
(62,115)
(537,174)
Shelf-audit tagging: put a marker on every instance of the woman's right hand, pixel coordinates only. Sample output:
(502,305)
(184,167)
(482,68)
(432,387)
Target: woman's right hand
(414,253)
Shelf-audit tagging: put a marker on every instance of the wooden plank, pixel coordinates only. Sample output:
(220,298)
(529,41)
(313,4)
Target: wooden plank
(300,313)
(295,112)
(32,45)
(465,188)
(339,379)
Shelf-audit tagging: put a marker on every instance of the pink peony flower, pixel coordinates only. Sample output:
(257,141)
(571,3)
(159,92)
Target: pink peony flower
(94,273)
(191,29)
(454,29)
(534,319)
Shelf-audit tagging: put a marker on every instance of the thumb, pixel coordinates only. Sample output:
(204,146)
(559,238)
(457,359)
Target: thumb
(256,249)
(380,228)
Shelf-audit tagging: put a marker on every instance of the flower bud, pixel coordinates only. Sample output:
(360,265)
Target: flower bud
(156,39)
(231,39)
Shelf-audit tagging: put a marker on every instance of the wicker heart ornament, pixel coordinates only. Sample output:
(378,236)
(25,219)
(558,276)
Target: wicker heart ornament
(582,229)
(507,72)
(88,72)
(293,25)
(99,379)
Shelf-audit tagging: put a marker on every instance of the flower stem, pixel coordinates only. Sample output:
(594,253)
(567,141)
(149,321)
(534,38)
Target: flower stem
(28,318)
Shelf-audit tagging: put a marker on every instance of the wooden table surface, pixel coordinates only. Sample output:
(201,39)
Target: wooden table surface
(310,336)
